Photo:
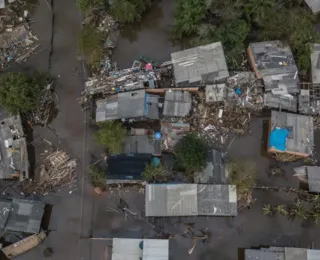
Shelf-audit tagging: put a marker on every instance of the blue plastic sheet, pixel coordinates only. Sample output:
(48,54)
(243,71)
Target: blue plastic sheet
(278,138)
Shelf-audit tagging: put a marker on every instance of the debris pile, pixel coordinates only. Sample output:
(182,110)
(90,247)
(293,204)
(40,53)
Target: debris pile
(57,170)
(43,113)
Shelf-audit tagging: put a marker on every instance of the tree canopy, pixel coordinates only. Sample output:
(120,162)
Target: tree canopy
(111,135)
(128,11)
(20,92)
(154,172)
(191,152)
(237,22)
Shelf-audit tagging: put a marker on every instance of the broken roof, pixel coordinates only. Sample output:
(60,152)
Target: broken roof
(190,200)
(177,103)
(13,149)
(309,99)
(282,253)
(216,93)
(202,64)
(5,208)
(172,133)
(142,144)
(18,34)
(315,62)
(314,5)
(283,102)
(136,249)
(282,84)
(214,172)
(127,105)
(301,137)
(24,216)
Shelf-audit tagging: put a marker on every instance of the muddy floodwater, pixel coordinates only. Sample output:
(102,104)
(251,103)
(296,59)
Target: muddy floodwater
(149,37)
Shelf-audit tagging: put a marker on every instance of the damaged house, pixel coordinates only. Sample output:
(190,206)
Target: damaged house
(309,98)
(128,106)
(273,62)
(135,249)
(13,150)
(281,253)
(177,103)
(176,200)
(199,65)
(172,133)
(291,133)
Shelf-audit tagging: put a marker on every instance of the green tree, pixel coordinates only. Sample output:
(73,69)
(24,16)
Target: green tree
(87,5)
(153,172)
(98,177)
(91,45)
(111,135)
(243,174)
(128,11)
(188,17)
(257,9)
(20,92)
(268,210)
(282,210)
(191,152)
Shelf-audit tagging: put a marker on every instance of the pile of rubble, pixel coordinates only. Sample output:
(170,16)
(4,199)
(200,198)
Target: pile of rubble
(17,42)
(43,113)
(57,170)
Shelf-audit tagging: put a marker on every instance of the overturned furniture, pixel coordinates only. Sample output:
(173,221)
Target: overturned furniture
(24,245)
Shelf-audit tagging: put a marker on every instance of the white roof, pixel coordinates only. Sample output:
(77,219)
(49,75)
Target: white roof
(129,249)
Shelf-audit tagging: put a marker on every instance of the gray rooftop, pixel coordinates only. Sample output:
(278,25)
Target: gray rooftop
(13,149)
(282,83)
(312,174)
(315,62)
(301,137)
(144,144)
(214,172)
(272,58)
(5,208)
(216,93)
(25,216)
(177,103)
(283,102)
(127,105)
(314,5)
(282,253)
(129,249)
(202,64)
(190,200)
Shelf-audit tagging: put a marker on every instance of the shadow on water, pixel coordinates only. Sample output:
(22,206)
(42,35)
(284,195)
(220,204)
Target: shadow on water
(149,21)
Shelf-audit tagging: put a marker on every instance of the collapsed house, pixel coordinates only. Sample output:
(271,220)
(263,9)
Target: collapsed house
(273,62)
(291,133)
(13,149)
(174,200)
(172,133)
(282,253)
(135,249)
(314,5)
(21,215)
(134,105)
(214,172)
(309,175)
(199,65)
(177,103)
(309,98)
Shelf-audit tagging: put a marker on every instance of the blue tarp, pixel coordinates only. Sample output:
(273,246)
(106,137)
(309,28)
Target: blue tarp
(278,139)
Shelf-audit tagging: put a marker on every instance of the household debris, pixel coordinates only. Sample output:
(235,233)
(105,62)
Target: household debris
(56,171)
(43,113)
(172,133)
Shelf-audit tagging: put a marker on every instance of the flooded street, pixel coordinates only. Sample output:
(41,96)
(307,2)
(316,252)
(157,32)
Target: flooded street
(150,37)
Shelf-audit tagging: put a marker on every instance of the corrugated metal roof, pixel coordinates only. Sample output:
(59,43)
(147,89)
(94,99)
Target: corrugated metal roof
(260,254)
(190,200)
(314,5)
(144,144)
(177,103)
(214,172)
(283,102)
(313,174)
(282,83)
(129,249)
(25,216)
(295,253)
(155,249)
(200,64)
(301,137)
(313,254)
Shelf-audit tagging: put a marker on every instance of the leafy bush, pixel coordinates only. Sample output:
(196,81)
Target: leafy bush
(87,5)
(91,45)
(128,11)
(20,92)
(98,177)
(191,152)
(111,135)
(152,172)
